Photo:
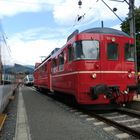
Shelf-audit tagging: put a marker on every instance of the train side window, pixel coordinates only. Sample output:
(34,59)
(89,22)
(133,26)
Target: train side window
(54,64)
(61,61)
(129,52)
(112,51)
(70,53)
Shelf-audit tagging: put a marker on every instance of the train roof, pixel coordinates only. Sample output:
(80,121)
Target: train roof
(37,65)
(100,30)
(105,31)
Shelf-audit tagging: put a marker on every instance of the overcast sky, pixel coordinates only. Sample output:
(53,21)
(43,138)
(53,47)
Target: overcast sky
(33,28)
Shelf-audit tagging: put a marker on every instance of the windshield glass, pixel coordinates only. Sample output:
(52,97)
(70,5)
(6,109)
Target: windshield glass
(129,52)
(86,49)
(112,51)
(31,78)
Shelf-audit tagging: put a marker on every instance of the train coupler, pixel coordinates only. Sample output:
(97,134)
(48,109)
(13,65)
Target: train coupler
(102,89)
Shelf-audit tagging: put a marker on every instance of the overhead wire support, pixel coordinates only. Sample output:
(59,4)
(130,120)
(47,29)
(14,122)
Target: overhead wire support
(80,3)
(112,10)
(121,1)
(132,23)
(80,16)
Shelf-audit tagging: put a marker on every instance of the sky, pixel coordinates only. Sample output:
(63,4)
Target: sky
(33,28)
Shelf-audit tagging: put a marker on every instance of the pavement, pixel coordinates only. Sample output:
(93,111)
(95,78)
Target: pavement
(136,98)
(40,117)
(22,127)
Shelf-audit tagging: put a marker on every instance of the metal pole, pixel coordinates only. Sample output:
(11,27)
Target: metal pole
(132,18)
(132,27)
(102,24)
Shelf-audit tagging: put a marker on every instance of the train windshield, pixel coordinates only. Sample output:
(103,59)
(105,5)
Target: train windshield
(129,52)
(86,49)
(31,78)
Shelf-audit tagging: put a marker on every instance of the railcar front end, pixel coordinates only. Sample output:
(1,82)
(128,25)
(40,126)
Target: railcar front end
(95,66)
(104,67)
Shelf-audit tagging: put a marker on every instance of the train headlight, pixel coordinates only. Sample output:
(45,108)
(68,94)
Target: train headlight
(113,39)
(129,75)
(125,92)
(93,75)
(105,97)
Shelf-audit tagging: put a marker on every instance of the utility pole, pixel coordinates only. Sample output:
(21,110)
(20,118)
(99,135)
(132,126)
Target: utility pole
(132,18)
(132,27)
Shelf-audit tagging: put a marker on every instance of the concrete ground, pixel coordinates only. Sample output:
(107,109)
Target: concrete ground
(40,117)
(43,118)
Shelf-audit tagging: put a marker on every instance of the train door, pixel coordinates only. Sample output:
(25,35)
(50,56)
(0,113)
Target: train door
(49,75)
(129,64)
(111,61)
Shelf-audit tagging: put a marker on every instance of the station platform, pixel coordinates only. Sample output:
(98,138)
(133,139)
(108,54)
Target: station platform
(41,118)
(137,98)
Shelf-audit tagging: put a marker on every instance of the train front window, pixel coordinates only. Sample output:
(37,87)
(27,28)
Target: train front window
(31,78)
(129,52)
(86,49)
(112,51)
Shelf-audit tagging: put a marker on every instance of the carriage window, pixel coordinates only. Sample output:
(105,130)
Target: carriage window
(70,53)
(54,64)
(61,61)
(46,67)
(87,49)
(112,51)
(129,52)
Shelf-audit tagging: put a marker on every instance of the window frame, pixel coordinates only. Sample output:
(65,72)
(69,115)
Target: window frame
(70,53)
(82,57)
(61,59)
(54,65)
(129,45)
(108,52)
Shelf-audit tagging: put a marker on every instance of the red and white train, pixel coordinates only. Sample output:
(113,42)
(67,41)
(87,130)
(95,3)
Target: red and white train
(96,66)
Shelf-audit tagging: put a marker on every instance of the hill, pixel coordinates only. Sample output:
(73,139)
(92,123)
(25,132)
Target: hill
(28,69)
(17,68)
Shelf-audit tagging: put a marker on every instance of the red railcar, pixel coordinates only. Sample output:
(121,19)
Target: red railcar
(96,66)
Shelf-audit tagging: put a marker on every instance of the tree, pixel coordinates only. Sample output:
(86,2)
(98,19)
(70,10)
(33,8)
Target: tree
(125,27)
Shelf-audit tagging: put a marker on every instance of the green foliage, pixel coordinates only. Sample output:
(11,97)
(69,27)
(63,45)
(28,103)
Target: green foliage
(125,28)
(125,24)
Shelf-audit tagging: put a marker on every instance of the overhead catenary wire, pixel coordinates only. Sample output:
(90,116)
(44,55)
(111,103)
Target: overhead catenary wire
(80,16)
(3,39)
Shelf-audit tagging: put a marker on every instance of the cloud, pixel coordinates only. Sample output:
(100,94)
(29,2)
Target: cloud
(65,12)
(27,46)
(91,10)
(116,27)
(13,7)
(29,51)
(9,8)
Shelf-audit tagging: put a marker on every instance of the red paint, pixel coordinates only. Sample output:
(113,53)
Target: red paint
(76,77)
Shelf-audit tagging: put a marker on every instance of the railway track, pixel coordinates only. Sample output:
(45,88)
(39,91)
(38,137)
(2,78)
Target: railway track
(125,120)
